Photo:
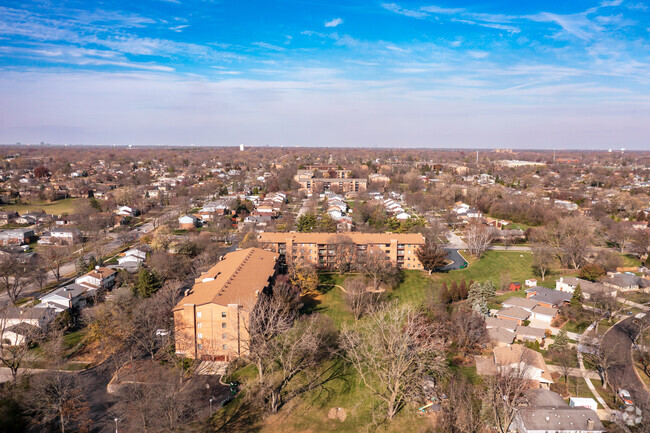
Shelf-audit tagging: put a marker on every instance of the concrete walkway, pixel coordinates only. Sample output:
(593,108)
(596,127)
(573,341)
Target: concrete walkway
(590,385)
(574,372)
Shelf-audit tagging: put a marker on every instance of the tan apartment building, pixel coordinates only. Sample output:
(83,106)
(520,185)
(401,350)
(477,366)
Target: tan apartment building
(320,248)
(211,321)
(318,185)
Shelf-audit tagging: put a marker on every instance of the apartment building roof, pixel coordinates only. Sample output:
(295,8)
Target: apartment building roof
(356,237)
(236,279)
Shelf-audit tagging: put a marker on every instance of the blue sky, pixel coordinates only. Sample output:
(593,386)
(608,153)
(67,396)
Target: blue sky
(517,74)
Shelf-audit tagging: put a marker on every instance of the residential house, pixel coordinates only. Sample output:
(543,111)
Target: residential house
(62,236)
(100,278)
(523,361)
(588,288)
(13,321)
(624,282)
(528,333)
(543,411)
(132,259)
(7,217)
(210,321)
(548,297)
(65,297)
(516,314)
(17,236)
(526,304)
(544,314)
(127,211)
(188,222)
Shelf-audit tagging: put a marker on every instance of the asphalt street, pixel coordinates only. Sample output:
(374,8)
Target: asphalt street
(618,339)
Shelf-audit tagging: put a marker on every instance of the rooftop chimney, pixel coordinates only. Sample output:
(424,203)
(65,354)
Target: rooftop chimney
(590,424)
(96,267)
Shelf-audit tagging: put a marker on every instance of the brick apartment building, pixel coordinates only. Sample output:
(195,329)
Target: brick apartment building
(319,248)
(210,322)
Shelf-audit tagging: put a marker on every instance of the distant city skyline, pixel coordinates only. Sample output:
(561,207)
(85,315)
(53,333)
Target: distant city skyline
(441,74)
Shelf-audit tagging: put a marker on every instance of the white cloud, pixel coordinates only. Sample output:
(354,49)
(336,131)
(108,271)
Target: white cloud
(393,7)
(334,23)
(268,46)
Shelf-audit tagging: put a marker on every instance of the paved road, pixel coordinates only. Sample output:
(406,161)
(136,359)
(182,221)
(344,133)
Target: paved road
(618,340)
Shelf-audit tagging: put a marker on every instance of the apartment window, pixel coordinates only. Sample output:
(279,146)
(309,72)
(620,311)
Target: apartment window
(224,336)
(200,346)
(200,335)
(223,325)
(225,347)
(223,314)
(198,314)
(198,325)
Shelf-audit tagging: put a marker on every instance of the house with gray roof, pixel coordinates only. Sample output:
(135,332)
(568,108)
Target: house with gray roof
(543,411)
(548,297)
(526,304)
(515,314)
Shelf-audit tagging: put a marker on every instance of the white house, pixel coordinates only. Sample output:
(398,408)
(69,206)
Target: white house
(188,222)
(99,278)
(544,314)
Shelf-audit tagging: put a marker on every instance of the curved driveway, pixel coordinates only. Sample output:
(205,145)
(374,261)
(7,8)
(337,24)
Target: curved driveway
(455,257)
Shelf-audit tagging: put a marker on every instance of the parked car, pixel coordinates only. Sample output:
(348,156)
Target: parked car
(625,395)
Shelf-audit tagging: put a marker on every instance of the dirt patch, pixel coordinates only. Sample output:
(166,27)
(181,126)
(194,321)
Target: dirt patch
(337,413)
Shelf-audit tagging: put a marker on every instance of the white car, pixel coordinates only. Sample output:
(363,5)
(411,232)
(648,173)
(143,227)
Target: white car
(624,395)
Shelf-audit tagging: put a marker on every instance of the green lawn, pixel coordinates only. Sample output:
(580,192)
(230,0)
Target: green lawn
(490,267)
(53,208)
(630,260)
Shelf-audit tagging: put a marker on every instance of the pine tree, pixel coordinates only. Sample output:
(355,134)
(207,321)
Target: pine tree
(147,284)
(561,340)
(576,299)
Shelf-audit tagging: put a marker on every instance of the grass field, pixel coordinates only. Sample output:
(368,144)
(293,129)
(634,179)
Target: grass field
(53,208)
(415,286)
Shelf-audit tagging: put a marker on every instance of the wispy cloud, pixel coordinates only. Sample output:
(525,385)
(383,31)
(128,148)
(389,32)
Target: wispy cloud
(334,22)
(393,7)
(268,46)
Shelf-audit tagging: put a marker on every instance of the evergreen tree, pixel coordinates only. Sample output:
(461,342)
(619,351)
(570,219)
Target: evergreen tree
(147,284)
(576,299)
(306,223)
(561,340)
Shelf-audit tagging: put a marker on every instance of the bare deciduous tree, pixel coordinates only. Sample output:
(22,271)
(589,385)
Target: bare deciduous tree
(55,258)
(506,387)
(357,296)
(392,350)
(543,258)
(344,250)
(467,329)
(13,353)
(374,264)
(297,353)
(57,400)
(15,275)
(478,237)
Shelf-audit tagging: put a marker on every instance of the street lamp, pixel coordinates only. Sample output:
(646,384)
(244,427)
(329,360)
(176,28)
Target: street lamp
(116,425)
(210,407)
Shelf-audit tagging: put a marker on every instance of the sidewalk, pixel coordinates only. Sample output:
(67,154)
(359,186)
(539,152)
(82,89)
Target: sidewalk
(575,372)
(591,386)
